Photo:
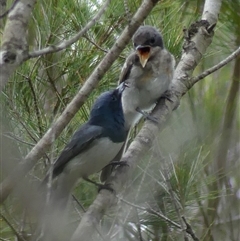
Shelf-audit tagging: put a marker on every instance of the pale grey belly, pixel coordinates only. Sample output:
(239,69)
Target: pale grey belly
(93,160)
(143,97)
(152,92)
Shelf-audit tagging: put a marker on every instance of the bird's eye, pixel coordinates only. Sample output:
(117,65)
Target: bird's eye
(152,40)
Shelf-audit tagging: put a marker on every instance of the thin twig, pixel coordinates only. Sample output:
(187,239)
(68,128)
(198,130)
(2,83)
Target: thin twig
(65,43)
(12,228)
(152,211)
(95,44)
(84,210)
(138,224)
(79,204)
(24,126)
(35,103)
(14,137)
(216,67)
(99,47)
(173,198)
(189,229)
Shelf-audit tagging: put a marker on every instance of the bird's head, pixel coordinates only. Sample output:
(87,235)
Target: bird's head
(108,107)
(145,40)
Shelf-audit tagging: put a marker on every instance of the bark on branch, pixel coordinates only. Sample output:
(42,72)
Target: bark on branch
(197,39)
(14,43)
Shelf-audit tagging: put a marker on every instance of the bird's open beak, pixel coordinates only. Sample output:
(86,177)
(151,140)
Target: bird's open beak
(144,54)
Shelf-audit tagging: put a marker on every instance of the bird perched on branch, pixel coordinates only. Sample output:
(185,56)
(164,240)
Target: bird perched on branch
(93,145)
(148,72)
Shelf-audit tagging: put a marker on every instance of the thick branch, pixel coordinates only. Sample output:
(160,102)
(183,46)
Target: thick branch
(37,152)
(66,43)
(198,38)
(14,42)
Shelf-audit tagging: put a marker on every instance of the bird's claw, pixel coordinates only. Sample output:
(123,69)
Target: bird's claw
(99,185)
(147,116)
(106,187)
(167,95)
(151,118)
(118,163)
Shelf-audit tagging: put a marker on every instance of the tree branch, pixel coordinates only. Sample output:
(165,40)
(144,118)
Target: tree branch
(216,67)
(3,3)
(66,43)
(38,151)
(14,42)
(197,39)
(152,211)
(99,47)
(189,229)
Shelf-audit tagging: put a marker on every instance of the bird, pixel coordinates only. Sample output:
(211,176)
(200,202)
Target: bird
(92,146)
(148,72)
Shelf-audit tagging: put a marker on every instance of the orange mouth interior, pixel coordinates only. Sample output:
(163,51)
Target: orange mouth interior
(144,51)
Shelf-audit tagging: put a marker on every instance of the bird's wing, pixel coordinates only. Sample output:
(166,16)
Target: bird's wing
(126,69)
(80,141)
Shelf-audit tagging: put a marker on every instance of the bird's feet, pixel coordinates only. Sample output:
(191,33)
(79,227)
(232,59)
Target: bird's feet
(167,95)
(147,115)
(99,185)
(118,163)
(107,187)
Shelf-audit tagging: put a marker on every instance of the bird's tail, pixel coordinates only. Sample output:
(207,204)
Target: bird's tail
(53,217)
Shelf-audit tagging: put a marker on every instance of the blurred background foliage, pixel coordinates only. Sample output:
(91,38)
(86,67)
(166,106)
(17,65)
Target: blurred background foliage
(193,167)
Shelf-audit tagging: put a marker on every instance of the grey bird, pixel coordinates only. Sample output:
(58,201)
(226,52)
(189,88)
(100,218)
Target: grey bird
(148,72)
